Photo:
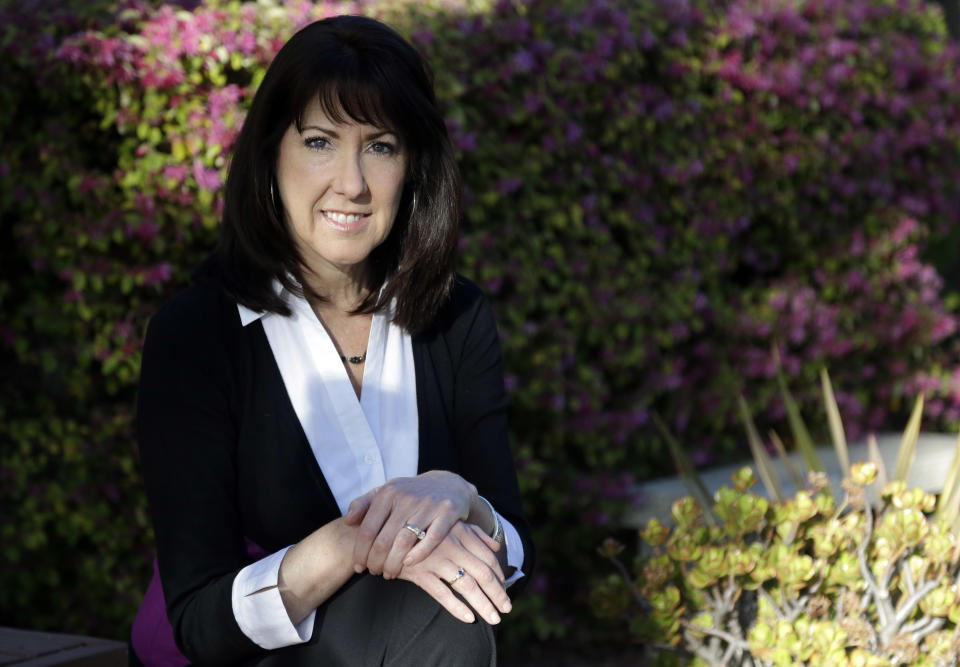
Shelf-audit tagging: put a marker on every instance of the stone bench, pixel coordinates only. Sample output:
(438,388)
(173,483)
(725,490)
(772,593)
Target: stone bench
(25,648)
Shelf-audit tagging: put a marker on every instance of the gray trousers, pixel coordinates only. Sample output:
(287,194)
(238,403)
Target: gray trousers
(371,622)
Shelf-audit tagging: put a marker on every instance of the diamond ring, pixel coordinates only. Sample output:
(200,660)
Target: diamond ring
(416,531)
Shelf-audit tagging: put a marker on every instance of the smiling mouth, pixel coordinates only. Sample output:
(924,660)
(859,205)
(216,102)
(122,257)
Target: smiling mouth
(345,221)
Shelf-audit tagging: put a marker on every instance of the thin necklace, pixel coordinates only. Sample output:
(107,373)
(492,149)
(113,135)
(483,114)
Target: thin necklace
(355,360)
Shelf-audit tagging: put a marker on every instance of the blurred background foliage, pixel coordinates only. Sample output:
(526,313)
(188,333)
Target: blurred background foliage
(658,193)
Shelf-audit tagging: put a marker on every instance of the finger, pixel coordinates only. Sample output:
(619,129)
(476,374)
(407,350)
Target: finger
(441,592)
(358,507)
(391,534)
(368,531)
(489,541)
(437,529)
(488,581)
(476,596)
(478,544)
(404,541)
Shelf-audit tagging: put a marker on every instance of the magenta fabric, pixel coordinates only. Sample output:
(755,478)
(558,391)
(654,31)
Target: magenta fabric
(152,634)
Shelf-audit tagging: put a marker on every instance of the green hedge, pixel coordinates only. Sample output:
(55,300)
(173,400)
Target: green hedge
(657,193)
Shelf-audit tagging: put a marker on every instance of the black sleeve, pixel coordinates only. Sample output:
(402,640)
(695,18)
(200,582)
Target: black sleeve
(187,433)
(480,418)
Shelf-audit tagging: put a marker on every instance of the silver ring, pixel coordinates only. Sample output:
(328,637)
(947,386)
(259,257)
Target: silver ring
(416,531)
(457,578)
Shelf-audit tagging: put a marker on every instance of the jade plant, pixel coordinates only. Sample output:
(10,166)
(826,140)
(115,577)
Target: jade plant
(865,574)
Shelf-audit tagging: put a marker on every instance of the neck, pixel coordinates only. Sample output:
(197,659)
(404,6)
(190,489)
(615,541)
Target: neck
(342,290)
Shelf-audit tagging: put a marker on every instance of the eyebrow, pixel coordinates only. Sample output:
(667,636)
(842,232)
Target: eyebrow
(333,133)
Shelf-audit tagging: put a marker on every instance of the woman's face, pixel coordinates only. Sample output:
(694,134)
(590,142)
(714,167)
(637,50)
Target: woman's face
(341,185)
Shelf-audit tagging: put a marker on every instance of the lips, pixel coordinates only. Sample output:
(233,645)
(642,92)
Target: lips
(345,221)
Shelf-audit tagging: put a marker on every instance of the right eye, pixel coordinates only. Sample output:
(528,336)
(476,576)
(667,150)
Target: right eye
(316,143)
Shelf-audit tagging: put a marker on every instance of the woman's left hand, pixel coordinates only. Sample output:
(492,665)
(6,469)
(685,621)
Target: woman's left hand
(433,502)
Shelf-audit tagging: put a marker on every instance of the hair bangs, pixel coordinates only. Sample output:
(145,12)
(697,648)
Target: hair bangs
(350,94)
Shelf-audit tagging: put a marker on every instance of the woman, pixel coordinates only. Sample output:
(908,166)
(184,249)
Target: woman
(321,415)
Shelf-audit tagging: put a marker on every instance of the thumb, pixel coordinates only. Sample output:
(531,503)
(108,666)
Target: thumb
(358,507)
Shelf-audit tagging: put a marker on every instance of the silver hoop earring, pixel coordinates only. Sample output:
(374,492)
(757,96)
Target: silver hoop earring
(273,197)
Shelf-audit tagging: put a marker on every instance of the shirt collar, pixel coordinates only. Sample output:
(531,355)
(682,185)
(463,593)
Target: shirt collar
(248,316)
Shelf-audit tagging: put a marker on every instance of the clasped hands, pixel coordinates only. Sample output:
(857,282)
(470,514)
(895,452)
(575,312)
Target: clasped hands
(437,502)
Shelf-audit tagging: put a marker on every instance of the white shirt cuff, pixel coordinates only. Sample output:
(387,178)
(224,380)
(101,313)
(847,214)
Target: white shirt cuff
(511,539)
(259,609)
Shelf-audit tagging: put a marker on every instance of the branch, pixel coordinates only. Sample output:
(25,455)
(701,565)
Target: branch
(798,607)
(726,636)
(772,602)
(628,580)
(728,654)
(882,598)
(908,578)
(888,630)
(934,625)
(707,656)
(922,627)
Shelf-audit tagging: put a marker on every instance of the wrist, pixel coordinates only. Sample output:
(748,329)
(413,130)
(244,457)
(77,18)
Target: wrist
(480,515)
(488,519)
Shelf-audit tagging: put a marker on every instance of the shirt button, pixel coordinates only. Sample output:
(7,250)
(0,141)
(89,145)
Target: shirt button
(369,459)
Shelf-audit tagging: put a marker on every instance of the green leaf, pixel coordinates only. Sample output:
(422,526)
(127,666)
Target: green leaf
(836,424)
(768,474)
(688,473)
(801,435)
(908,444)
(948,504)
(873,452)
(787,463)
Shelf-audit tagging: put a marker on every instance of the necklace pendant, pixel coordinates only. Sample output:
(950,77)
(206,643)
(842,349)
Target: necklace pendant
(355,360)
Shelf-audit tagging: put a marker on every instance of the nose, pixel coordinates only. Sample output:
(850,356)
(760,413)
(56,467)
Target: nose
(349,180)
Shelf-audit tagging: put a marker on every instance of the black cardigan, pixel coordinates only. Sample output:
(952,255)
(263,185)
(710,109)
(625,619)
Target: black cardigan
(224,456)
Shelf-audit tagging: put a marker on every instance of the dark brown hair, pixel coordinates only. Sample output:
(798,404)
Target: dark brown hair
(363,69)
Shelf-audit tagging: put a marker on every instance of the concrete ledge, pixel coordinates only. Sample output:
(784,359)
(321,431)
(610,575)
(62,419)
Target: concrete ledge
(934,455)
(25,648)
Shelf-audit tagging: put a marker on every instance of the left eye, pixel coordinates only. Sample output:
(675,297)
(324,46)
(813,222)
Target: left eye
(383,148)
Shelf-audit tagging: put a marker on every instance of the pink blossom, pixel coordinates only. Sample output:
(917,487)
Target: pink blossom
(146,230)
(208,179)
(175,172)
(247,43)
(158,274)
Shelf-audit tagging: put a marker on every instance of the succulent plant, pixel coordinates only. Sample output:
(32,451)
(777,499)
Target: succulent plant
(801,580)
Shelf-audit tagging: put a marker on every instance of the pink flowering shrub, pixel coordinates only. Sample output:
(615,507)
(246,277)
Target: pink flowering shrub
(657,195)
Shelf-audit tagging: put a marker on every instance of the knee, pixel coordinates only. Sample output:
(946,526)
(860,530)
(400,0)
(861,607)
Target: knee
(441,641)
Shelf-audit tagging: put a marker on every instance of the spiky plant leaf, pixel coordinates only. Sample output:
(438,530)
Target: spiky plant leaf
(768,474)
(948,505)
(801,435)
(688,473)
(873,451)
(836,424)
(791,469)
(908,444)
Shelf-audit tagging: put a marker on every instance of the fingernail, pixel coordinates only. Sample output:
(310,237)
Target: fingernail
(507,608)
(357,568)
(468,618)
(494,619)
(407,560)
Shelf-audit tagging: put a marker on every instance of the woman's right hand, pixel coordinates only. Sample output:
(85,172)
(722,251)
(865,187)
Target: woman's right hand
(482,584)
